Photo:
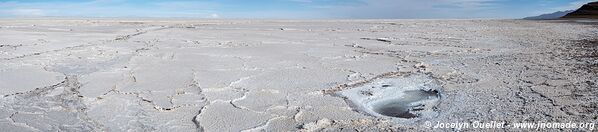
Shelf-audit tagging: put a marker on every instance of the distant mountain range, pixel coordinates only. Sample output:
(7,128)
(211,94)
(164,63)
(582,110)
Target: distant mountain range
(588,11)
(555,15)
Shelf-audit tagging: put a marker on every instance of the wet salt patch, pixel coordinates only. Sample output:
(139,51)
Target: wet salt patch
(87,66)
(403,98)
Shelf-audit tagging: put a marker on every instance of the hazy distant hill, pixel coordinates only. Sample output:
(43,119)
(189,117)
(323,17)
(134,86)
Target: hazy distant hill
(555,15)
(589,10)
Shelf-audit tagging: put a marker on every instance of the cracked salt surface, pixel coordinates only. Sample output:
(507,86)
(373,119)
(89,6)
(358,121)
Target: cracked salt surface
(238,75)
(410,97)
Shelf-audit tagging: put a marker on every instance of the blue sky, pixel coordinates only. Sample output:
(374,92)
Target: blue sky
(287,9)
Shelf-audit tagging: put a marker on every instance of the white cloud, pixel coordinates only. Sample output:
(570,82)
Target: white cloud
(214,16)
(26,12)
(108,8)
(415,9)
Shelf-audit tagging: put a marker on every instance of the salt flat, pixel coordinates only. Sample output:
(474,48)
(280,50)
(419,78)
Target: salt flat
(287,75)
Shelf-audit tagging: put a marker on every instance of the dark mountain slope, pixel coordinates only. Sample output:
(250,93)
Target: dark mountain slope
(589,11)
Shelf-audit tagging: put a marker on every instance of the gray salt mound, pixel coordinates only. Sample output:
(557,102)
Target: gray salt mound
(401,98)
